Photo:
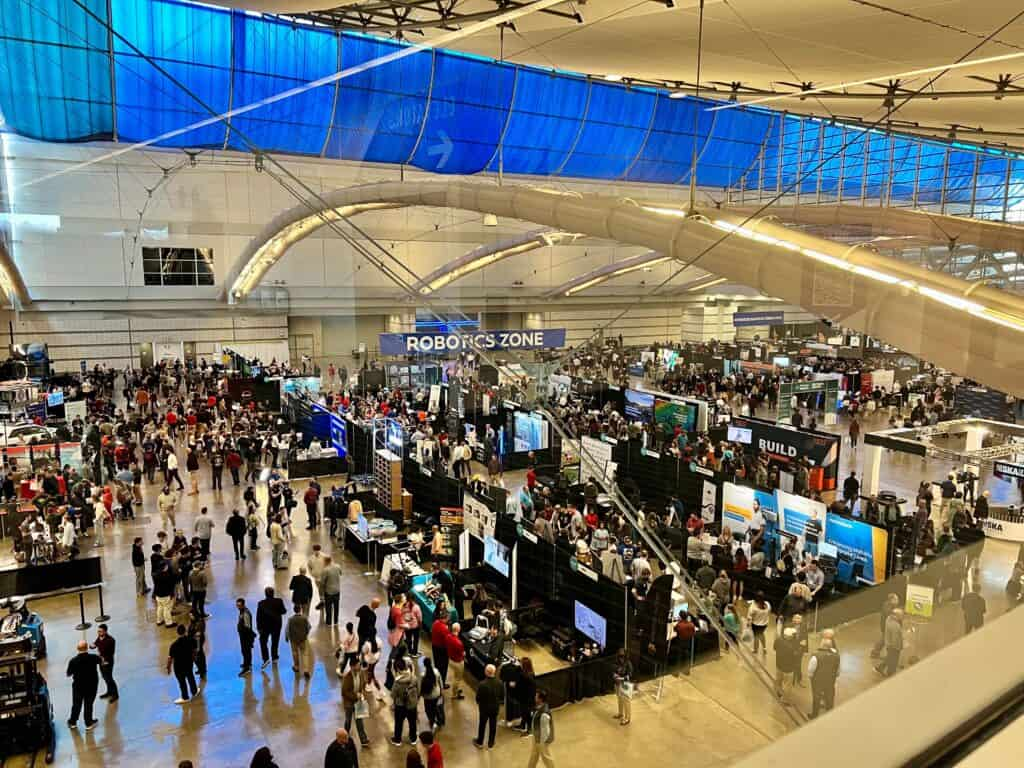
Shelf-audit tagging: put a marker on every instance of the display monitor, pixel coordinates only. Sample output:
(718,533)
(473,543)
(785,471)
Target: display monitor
(497,555)
(639,405)
(307,384)
(53,399)
(740,435)
(672,413)
(590,623)
(531,432)
(781,361)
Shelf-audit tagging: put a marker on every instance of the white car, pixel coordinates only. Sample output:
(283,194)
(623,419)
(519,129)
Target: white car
(23,434)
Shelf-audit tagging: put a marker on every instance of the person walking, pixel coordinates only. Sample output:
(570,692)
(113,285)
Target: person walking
(542,726)
(164,582)
(197,631)
(83,669)
(277,542)
(330,591)
(405,695)
(787,657)
(353,697)
(367,616)
(203,528)
(105,646)
(297,636)
(139,566)
(623,678)
(893,644)
(172,471)
(217,469)
(823,669)
(246,635)
(192,466)
(892,602)
(311,498)
(270,612)
(854,432)
(759,613)
(341,753)
(456,654)
(974,607)
(315,568)
(488,702)
(235,528)
(302,591)
(439,633)
(167,505)
(430,692)
(197,584)
(180,658)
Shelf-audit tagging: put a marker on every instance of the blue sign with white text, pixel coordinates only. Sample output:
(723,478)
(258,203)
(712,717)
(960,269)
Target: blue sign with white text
(444,343)
(742,319)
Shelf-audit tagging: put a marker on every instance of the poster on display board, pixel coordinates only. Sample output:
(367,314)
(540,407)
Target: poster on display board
(740,503)
(339,434)
(594,458)
(670,414)
(920,601)
(785,444)
(709,501)
(883,379)
(858,542)
(74,409)
(799,515)
(477,518)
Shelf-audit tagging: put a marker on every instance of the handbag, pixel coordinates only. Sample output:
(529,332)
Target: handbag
(628,689)
(362,709)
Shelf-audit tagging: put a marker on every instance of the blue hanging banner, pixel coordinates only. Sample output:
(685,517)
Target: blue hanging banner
(742,319)
(443,343)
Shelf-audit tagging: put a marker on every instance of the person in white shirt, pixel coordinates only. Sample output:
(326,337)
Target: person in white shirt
(99,511)
(167,505)
(757,518)
(172,470)
(315,568)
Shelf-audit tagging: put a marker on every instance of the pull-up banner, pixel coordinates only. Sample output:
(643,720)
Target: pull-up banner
(443,343)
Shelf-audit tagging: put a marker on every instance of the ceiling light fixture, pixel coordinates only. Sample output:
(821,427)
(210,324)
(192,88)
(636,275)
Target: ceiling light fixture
(711,284)
(613,78)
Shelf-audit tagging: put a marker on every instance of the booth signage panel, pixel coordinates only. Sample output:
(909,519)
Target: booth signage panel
(1003,529)
(1007,470)
(739,502)
(860,542)
(786,444)
(798,513)
(594,458)
(743,319)
(443,343)
(920,601)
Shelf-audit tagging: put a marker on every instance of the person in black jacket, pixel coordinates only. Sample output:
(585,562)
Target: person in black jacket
(235,528)
(341,753)
(269,617)
(84,671)
(488,701)
(139,564)
(302,591)
(180,657)
(245,635)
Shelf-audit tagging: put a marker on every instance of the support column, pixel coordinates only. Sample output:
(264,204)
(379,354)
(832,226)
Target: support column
(871,469)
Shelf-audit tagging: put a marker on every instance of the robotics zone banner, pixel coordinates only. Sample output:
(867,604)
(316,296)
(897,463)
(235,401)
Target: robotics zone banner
(443,343)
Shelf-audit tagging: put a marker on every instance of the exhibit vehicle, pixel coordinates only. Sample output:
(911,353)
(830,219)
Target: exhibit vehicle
(26,711)
(21,622)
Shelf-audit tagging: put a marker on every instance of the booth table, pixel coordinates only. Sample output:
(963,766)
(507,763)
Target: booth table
(1004,524)
(427,605)
(299,469)
(365,549)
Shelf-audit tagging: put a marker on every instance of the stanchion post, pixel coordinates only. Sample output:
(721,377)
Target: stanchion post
(81,610)
(103,616)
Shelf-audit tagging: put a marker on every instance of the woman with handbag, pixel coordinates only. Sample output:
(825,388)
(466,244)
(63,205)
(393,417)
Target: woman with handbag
(624,686)
(353,698)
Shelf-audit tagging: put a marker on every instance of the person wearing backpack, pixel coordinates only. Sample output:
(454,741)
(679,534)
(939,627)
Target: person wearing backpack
(542,726)
(405,693)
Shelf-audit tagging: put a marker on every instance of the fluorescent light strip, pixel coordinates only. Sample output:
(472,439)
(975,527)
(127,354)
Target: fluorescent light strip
(717,281)
(584,286)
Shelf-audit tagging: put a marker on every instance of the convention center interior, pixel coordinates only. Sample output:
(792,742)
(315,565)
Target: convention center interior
(481,383)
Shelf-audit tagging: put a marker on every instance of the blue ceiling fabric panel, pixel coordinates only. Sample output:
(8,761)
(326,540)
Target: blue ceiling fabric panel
(960,176)
(192,43)
(990,186)
(769,162)
(380,110)
(55,70)
(876,170)
(929,178)
(904,168)
(269,57)
(469,103)
(617,122)
(668,152)
(735,143)
(546,115)
(832,159)
(1015,197)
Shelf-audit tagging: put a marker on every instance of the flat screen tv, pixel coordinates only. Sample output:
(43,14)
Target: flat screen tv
(672,413)
(590,623)
(639,406)
(496,555)
(531,432)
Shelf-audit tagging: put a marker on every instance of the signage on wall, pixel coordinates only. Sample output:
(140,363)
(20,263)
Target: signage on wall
(744,319)
(1008,471)
(442,343)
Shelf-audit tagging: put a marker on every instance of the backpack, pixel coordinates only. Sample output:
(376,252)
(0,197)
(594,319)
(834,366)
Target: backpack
(406,694)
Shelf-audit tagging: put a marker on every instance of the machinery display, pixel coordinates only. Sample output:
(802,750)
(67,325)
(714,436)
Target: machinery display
(26,711)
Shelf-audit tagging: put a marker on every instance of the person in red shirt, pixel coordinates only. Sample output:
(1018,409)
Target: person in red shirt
(211,401)
(531,478)
(456,660)
(172,423)
(434,757)
(439,634)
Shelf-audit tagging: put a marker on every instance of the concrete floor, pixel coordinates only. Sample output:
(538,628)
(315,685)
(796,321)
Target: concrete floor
(712,716)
